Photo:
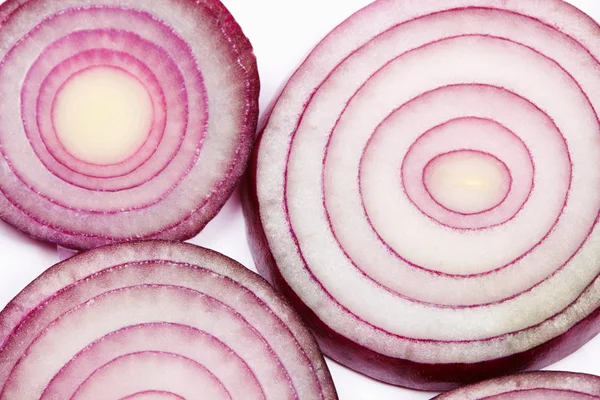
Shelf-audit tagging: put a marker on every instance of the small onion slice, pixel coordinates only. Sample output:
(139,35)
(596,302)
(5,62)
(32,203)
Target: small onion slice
(121,119)
(156,320)
(426,192)
(531,386)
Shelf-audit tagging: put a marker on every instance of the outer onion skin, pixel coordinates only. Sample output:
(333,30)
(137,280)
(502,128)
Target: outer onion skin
(229,290)
(550,380)
(430,377)
(197,218)
(396,371)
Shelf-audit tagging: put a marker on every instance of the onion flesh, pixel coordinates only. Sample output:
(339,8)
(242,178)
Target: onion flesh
(532,386)
(425,191)
(122,119)
(144,319)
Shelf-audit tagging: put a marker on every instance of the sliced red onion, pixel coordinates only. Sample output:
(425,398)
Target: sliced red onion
(531,386)
(121,119)
(156,320)
(426,189)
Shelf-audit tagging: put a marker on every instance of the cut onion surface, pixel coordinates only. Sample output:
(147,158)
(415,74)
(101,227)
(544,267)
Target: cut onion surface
(156,320)
(426,190)
(531,386)
(121,119)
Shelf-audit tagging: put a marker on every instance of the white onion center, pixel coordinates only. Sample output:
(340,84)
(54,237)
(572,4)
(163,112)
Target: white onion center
(467,182)
(102,115)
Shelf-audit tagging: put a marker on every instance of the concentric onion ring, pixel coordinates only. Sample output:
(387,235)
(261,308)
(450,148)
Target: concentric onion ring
(121,119)
(156,320)
(426,189)
(532,386)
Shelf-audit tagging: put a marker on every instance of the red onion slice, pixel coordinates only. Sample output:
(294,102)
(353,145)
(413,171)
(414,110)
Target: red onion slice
(399,276)
(532,386)
(135,119)
(154,395)
(145,318)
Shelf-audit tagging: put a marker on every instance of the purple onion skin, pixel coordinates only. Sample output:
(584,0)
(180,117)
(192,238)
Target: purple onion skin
(198,219)
(396,371)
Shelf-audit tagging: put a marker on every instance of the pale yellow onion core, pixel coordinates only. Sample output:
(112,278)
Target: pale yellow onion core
(467,182)
(102,115)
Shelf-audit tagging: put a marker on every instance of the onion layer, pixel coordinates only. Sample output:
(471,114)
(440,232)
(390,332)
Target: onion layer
(532,386)
(156,320)
(121,119)
(426,189)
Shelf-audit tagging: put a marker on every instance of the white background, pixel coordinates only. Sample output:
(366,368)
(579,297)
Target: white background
(282,33)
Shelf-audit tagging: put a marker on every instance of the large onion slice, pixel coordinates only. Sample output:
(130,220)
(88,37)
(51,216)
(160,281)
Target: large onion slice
(121,119)
(531,386)
(156,320)
(426,189)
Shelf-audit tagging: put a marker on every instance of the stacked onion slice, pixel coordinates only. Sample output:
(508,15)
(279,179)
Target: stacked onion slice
(121,119)
(156,320)
(426,191)
(532,386)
